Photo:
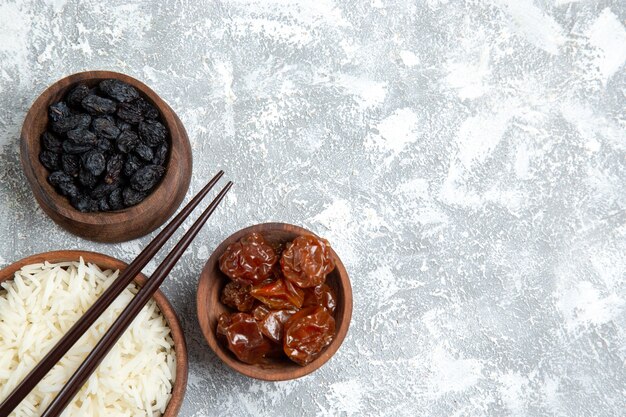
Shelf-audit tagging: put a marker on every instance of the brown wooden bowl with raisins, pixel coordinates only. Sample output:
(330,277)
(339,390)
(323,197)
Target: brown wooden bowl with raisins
(269,359)
(140,212)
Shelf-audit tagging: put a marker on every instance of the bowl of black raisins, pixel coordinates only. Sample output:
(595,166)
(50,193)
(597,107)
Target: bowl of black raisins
(105,156)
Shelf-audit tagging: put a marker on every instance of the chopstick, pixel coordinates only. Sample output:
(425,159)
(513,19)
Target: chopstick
(102,303)
(120,325)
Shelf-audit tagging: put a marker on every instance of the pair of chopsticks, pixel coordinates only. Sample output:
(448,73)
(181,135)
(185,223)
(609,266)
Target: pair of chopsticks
(104,301)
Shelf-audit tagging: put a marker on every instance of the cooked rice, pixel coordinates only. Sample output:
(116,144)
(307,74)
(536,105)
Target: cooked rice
(39,306)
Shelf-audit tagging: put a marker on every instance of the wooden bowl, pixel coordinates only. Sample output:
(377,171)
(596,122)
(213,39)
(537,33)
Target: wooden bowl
(107,262)
(120,225)
(212,280)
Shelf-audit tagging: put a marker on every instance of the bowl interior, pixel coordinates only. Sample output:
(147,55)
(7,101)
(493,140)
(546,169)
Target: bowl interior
(212,281)
(107,262)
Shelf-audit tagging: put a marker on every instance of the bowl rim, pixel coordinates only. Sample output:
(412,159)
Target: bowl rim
(161,200)
(205,284)
(108,262)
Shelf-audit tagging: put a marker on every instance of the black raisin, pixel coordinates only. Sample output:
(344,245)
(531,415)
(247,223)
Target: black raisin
(114,168)
(130,113)
(147,110)
(94,162)
(84,203)
(77,94)
(51,142)
(118,90)
(127,141)
(147,177)
(50,160)
(131,165)
(86,178)
(58,177)
(68,189)
(82,121)
(104,145)
(70,164)
(144,152)
(103,204)
(122,125)
(73,148)
(116,200)
(103,190)
(98,105)
(109,117)
(82,137)
(59,111)
(65,124)
(152,132)
(132,197)
(160,155)
(105,128)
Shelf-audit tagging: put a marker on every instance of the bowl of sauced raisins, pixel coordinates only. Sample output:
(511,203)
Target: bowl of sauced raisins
(274,301)
(105,156)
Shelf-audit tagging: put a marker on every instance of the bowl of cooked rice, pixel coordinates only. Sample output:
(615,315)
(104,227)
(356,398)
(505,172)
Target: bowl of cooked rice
(43,295)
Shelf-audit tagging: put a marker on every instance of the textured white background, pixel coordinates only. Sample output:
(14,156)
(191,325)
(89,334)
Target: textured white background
(467,159)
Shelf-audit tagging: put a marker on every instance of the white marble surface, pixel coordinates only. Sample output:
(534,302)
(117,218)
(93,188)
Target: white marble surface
(466,159)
